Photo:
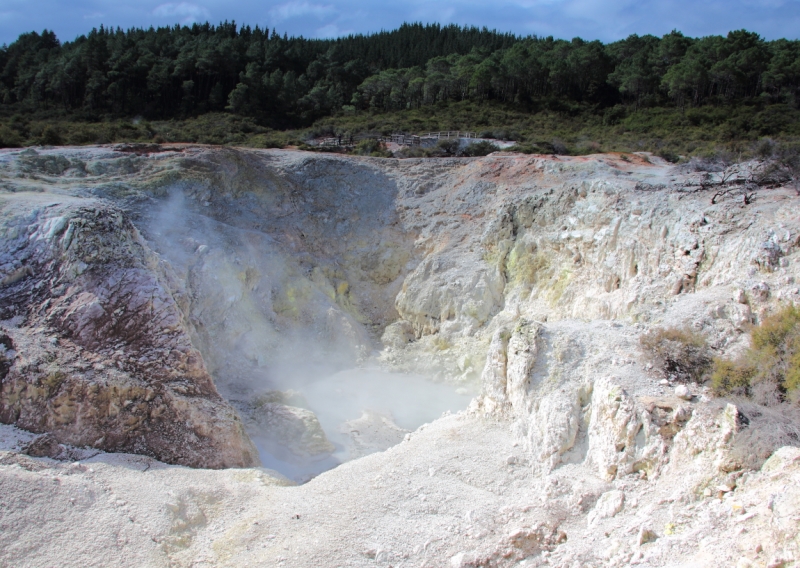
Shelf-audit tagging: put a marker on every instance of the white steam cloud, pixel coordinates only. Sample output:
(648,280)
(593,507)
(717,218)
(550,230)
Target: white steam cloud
(264,324)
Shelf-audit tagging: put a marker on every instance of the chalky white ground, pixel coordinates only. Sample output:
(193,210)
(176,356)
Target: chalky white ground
(457,490)
(530,278)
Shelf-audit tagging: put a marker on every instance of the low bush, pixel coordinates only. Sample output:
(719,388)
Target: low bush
(411,152)
(669,156)
(482,148)
(51,136)
(769,370)
(447,147)
(546,127)
(677,354)
(9,138)
(372,147)
(731,377)
(559,147)
(525,149)
(787,157)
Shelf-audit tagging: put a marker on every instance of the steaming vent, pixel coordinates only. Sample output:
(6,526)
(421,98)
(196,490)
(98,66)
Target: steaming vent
(288,322)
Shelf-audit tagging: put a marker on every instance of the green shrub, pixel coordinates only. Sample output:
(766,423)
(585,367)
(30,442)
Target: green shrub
(559,147)
(51,136)
(764,148)
(372,147)
(731,378)
(614,115)
(677,354)
(669,156)
(411,152)
(525,149)
(366,147)
(482,148)
(265,141)
(448,147)
(546,127)
(9,138)
(272,143)
(772,361)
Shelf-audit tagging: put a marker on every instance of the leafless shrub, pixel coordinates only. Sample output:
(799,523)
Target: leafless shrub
(766,428)
(766,393)
(698,164)
(768,173)
(776,164)
(788,158)
(677,354)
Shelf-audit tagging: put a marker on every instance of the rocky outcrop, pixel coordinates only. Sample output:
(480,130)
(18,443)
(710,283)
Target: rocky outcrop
(623,436)
(295,428)
(457,265)
(288,427)
(540,377)
(372,432)
(101,350)
(135,290)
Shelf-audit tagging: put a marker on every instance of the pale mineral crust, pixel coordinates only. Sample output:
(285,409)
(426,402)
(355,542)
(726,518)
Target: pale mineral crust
(139,293)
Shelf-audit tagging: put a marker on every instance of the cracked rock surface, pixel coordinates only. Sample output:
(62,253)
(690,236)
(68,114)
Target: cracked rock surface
(142,297)
(102,354)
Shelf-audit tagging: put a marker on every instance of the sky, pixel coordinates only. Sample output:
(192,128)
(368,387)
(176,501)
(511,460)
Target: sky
(606,20)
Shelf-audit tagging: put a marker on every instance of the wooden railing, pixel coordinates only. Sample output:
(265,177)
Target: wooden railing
(451,134)
(404,139)
(337,141)
(400,138)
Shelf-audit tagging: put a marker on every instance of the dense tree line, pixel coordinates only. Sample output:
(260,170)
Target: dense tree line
(638,70)
(180,71)
(183,71)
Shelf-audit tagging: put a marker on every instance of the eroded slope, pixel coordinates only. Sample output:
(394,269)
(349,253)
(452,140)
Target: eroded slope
(530,279)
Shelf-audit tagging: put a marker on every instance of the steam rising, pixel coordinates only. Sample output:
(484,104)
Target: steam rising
(268,319)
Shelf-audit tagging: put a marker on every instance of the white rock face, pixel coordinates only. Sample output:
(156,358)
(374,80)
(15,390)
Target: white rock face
(554,426)
(785,457)
(434,294)
(494,398)
(398,335)
(609,504)
(373,432)
(522,352)
(623,437)
(528,278)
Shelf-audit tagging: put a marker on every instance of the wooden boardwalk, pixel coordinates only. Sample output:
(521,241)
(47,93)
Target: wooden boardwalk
(448,134)
(400,138)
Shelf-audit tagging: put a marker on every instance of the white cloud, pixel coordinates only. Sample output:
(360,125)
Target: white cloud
(189,13)
(439,13)
(332,30)
(299,9)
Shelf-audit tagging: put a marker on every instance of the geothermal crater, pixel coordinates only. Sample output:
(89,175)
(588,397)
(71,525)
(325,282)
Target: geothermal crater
(236,357)
(289,323)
